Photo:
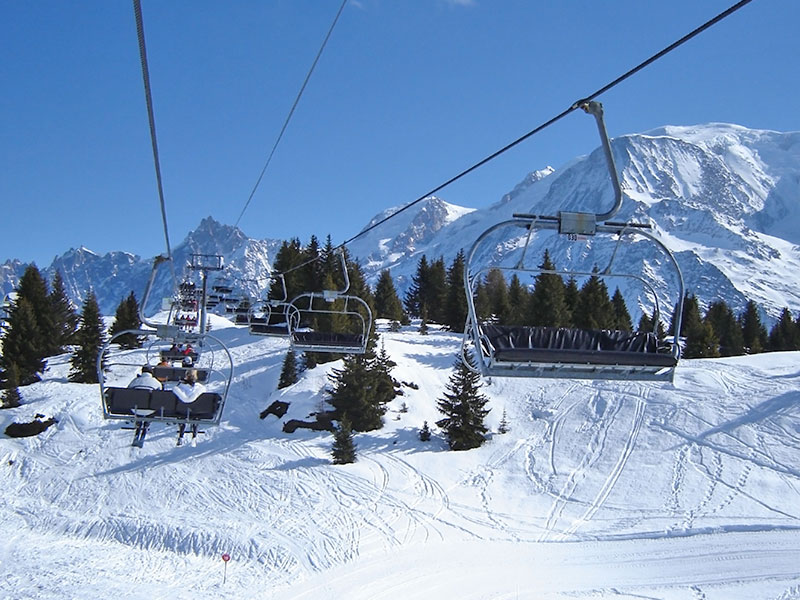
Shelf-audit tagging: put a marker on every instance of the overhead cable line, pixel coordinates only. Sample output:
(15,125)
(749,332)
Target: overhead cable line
(137,10)
(558,117)
(291,112)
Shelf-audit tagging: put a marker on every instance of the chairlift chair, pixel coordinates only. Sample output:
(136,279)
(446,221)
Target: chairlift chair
(329,303)
(528,351)
(273,320)
(139,408)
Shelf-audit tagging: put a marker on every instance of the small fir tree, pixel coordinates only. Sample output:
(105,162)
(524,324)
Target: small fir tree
(425,432)
(288,370)
(343,450)
(11,396)
(89,339)
(423,327)
(464,408)
(503,427)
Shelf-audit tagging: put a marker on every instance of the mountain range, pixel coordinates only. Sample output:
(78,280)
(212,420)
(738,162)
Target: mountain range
(724,198)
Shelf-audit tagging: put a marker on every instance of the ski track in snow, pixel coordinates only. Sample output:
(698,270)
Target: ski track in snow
(636,486)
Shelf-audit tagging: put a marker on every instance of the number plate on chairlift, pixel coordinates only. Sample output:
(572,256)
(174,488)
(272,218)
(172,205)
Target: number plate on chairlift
(577,224)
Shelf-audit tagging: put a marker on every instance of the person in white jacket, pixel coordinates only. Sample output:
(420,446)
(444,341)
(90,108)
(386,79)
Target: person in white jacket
(145,380)
(189,390)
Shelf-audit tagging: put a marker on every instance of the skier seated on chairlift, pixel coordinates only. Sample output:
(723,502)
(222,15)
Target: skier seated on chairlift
(145,380)
(188,390)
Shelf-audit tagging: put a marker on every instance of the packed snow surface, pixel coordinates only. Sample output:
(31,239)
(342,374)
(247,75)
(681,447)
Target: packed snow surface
(600,490)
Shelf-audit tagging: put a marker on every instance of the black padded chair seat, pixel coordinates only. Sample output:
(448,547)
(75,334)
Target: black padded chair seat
(205,407)
(315,338)
(575,346)
(123,401)
(264,329)
(160,405)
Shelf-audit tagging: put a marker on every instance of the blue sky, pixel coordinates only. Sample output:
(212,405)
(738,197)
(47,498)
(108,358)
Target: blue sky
(407,94)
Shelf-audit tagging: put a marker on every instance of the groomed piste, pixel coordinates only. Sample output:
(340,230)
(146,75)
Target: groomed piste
(602,489)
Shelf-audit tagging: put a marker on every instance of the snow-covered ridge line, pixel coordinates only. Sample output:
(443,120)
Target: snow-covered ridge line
(723,196)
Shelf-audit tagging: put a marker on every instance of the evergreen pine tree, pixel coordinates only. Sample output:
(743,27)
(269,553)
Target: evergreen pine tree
(464,408)
(33,287)
(594,309)
(22,343)
(434,296)
(413,300)
(11,397)
(425,432)
(288,370)
(343,450)
(89,339)
(547,306)
(362,387)
(726,327)
(497,289)
(127,317)
(455,313)
(65,321)
(784,335)
(518,299)
(753,330)
(289,256)
(645,323)
(622,318)
(701,342)
(503,427)
(571,295)
(423,326)
(387,302)
(483,304)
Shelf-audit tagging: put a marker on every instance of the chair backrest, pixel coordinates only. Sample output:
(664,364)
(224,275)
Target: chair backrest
(204,408)
(163,402)
(121,401)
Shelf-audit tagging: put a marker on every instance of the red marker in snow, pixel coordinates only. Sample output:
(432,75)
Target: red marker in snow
(225,558)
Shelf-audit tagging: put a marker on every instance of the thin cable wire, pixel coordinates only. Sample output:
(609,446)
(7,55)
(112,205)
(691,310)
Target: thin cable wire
(137,10)
(291,112)
(558,117)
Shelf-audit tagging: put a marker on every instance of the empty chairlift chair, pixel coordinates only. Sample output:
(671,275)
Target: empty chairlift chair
(308,314)
(539,351)
(273,319)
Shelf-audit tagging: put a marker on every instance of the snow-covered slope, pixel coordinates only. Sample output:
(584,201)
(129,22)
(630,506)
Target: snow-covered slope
(600,490)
